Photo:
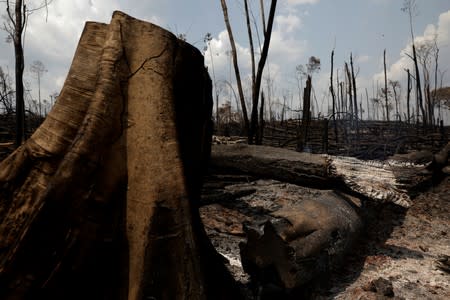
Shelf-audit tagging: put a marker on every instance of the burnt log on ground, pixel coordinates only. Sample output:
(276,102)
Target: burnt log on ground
(102,201)
(301,241)
(284,236)
(381,181)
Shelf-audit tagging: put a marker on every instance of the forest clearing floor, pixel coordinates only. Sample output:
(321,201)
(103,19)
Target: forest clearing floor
(403,247)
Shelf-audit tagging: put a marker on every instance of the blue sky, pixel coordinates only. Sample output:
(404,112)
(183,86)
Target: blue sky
(302,28)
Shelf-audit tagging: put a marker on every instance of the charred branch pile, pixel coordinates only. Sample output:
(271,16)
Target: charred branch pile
(364,139)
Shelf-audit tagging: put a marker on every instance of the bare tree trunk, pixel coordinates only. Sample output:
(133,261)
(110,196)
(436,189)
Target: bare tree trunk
(355,101)
(18,20)
(333,96)
(343,104)
(100,202)
(263,17)
(436,58)
(385,87)
(418,85)
(262,61)
(260,136)
(306,118)
(236,67)
(408,96)
(252,58)
(368,106)
(338,102)
(349,90)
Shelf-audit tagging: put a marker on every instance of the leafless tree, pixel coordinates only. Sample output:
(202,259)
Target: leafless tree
(251,127)
(385,87)
(38,68)
(235,65)
(396,88)
(6,93)
(410,7)
(355,99)
(16,27)
(408,96)
(333,97)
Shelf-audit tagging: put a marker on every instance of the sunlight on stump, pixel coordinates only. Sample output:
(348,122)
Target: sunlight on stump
(101,202)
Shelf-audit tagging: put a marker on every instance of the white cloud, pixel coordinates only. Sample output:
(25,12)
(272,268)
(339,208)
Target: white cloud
(362,59)
(218,56)
(285,52)
(441,32)
(299,2)
(53,38)
(288,23)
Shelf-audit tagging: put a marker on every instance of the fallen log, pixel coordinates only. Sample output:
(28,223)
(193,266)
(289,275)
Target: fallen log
(291,235)
(300,241)
(388,181)
(101,202)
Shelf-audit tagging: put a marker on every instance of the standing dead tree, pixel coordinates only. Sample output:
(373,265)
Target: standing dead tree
(410,7)
(252,126)
(333,97)
(386,98)
(355,98)
(236,66)
(408,97)
(302,137)
(349,90)
(15,27)
(38,68)
(6,93)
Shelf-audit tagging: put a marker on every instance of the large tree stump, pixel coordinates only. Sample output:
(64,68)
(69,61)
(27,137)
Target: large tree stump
(100,203)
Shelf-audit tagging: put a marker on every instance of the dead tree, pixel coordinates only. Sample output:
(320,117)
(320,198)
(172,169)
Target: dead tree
(18,21)
(408,96)
(385,86)
(333,97)
(236,66)
(410,7)
(302,138)
(252,127)
(16,26)
(100,203)
(355,98)
(349,90)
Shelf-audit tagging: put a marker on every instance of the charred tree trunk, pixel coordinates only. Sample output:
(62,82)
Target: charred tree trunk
(306,118)
(386,100)
(18,19)
(100,203)
(355,98)
(333,97)
(260,135)
(418,86)
(256,84)
(349,91)
(236,67)
(408,96)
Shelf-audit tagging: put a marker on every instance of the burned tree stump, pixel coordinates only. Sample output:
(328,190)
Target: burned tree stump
(100,203)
